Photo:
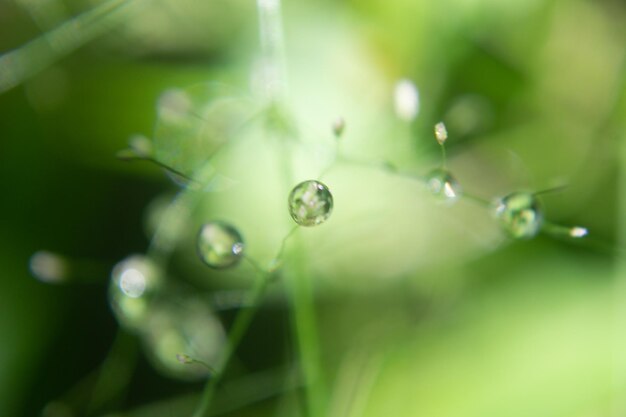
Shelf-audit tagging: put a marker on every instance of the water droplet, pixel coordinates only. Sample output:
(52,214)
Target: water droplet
(183,330)
(443,185)
(406,100)
(441,133)
(220,245)
(134,283)
(520,215)
(49,267)
(339,125)
(310,203)
(578,232)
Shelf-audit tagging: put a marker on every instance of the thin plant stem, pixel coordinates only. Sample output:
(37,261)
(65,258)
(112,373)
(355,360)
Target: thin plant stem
(38,54)
(444,158)
(305,323)
(242,323)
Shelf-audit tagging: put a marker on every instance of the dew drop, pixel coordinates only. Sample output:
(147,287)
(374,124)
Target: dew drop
(135,282)
(310,203)
(339,125)
(520,215)
(441,133)
(406,100)
(578,232)
(220,245)
(183,330)
(443,185)
(49,267)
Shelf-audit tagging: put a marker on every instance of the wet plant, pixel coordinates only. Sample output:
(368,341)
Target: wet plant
(274,208)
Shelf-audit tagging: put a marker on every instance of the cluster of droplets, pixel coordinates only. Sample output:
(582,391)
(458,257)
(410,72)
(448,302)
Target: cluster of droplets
(181,329)
(167,325)
(519,213)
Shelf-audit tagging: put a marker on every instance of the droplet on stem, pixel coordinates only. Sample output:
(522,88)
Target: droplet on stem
(441,133)
(578,232)
(220,245)
(442,184)
(310,203)
(520,215)
(135,282)
(339,125)
(406,100)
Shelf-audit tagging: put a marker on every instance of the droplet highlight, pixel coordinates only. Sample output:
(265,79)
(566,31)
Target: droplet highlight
(406,100)
(443,185)
(578,232)
(134,285)
(310,203)
(520,215)
(220,245)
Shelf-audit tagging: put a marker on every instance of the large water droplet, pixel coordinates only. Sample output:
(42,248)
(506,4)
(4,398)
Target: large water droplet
(310,203)
(183,327)
(220,245)
(134,284)
(520,215)
(443,185)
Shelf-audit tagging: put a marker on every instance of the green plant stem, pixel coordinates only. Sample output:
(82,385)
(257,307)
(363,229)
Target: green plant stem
(619,313)
(38,54)
(305,328)
(235,335)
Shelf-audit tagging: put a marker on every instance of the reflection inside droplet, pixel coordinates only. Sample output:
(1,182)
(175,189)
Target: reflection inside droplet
(520,215)
(310,203)
(442,184)
(133,283)
(220,245)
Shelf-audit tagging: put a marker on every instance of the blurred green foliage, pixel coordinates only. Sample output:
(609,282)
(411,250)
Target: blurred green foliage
(422,309)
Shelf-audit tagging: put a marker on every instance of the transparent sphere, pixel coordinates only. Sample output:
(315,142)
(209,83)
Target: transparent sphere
(310,203)
(187,327)
(135,281)
(520,215)
(443,185)
(220,245)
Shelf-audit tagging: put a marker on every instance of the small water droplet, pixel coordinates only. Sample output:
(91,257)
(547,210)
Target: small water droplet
(578,232)
(339,125)
(520,215)
(441,133)
(406,100)
(443,185)
(220,245)
(310,203)
(134,283)
(49,267)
